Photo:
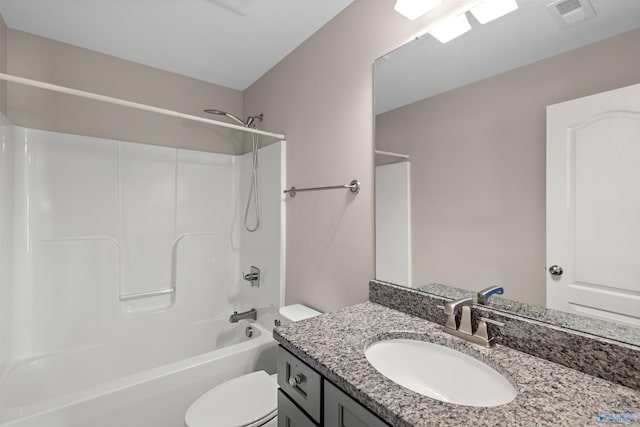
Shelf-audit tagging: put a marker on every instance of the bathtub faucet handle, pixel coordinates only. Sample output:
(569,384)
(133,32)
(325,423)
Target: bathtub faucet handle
(253,276)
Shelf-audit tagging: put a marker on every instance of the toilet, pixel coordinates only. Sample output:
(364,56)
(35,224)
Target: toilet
(248,400)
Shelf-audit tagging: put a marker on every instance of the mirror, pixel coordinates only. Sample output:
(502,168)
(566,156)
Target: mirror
(464,126)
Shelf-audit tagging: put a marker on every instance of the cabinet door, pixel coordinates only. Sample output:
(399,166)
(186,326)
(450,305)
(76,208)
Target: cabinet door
(341,410)
(289,415)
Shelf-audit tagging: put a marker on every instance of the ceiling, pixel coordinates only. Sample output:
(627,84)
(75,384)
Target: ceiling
(426,67)
(231,43)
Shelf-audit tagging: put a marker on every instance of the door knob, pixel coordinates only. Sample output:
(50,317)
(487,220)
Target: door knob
(555,270)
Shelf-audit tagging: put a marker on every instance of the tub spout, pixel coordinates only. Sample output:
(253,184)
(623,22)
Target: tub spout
(251,314)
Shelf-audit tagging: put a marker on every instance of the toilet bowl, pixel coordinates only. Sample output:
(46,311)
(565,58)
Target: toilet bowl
(248,400)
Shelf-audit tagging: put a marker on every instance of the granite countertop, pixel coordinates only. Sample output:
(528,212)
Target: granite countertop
(548,394)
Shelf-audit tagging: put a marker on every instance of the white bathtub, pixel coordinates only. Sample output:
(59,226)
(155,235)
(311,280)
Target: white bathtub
(148,384)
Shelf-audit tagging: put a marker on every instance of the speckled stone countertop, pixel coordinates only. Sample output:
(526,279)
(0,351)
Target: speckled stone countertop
(592,354)
(548,394)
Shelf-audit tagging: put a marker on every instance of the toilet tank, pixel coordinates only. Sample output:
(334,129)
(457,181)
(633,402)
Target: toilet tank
(296,312)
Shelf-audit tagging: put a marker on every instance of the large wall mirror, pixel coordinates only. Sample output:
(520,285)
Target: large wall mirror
(462,163)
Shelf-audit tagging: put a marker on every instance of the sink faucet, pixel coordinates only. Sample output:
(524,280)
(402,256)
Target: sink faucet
(483,295)
(463,328)
(251,314)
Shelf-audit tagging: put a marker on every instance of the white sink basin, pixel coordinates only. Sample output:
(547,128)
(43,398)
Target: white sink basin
(440,372)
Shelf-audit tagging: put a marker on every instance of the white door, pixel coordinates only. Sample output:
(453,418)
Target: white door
(593,206)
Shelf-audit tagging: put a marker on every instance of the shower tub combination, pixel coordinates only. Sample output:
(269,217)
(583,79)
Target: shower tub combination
(100,387)
(126,263)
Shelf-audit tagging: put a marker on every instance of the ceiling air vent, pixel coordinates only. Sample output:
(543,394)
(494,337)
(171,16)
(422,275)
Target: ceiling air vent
(570,12)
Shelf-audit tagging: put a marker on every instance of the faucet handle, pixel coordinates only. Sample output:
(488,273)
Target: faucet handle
(253,276)
(483,295)
(451,307)
(483,331)
(493,322)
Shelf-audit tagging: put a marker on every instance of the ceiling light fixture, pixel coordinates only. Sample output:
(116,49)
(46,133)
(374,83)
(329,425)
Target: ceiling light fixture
(451,28)
(414,9)
(488,10)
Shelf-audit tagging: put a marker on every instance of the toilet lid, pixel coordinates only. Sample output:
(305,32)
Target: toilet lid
(243,401)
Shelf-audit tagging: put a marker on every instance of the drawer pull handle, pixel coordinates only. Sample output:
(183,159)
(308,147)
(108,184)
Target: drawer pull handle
(295,380)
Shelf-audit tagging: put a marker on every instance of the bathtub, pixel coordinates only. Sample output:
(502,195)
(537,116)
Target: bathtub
(148,384)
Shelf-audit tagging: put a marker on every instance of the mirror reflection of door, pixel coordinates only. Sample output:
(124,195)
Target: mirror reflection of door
(593,206)
(393,224)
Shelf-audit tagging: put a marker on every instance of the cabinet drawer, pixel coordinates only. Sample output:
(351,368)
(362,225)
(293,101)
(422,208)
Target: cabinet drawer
(340,410)
(300,382)
(289,415)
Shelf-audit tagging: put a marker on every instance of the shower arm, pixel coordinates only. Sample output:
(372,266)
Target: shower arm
(248,123)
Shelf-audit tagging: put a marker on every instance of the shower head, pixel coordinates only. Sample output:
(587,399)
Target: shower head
(223,113)
(249,123)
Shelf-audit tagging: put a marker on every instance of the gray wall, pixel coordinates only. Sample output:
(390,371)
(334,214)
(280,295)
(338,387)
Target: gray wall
(50,61)
(321,97)
(478,166)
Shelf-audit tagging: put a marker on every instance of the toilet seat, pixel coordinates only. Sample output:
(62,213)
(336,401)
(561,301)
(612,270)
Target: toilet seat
(246,401)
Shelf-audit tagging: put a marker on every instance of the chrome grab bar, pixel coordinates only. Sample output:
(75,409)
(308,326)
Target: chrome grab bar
(353,186)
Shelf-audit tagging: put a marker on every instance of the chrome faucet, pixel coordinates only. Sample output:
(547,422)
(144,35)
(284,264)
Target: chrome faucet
(251,314)
(462,328)
(483,295)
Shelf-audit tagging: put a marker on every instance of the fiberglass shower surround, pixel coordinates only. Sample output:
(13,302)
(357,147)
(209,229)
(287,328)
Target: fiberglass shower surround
(120,248)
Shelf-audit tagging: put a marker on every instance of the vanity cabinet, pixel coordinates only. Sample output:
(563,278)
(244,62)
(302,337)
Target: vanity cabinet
(306,399)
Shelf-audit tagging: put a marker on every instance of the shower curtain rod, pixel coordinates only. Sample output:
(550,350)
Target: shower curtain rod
(129,104)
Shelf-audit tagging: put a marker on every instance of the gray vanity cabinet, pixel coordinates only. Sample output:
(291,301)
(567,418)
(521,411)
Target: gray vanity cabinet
(306,399)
